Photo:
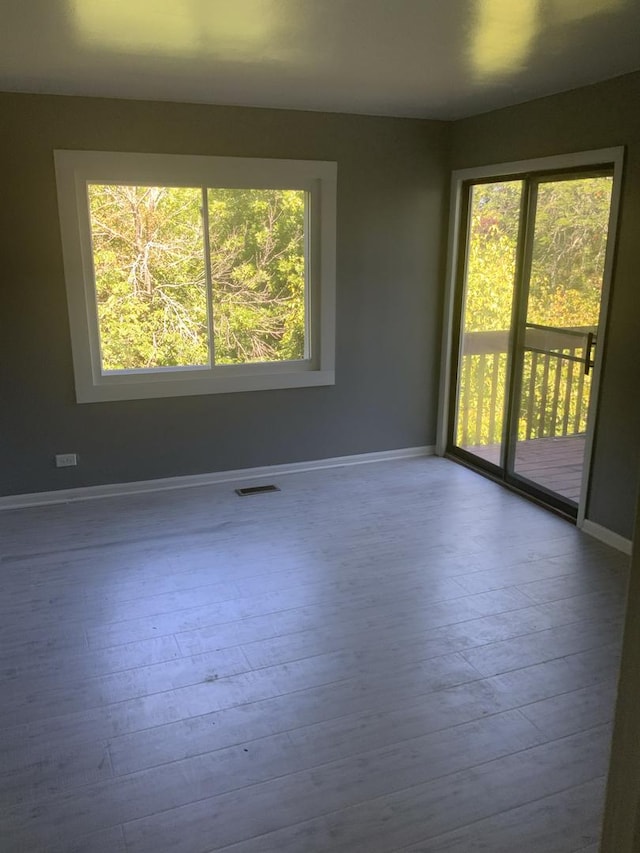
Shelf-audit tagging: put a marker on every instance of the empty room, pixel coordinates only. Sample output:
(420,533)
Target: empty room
(319,426)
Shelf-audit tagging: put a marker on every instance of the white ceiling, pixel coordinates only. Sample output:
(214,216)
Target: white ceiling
(429,58)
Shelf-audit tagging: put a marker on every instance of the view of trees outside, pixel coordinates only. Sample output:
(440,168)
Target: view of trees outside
(569,248)
(564,292)
(149,256)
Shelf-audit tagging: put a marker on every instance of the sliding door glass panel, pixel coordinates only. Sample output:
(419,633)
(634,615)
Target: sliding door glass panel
(490,267)
(560,331)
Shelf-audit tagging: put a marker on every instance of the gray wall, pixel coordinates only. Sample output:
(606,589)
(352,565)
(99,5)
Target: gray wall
(599,116)
(392,176)
(391,222)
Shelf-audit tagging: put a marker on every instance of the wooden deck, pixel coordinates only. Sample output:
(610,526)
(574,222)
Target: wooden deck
(554,463)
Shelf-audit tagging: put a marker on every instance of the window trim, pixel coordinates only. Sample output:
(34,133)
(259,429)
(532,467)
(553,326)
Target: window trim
(76,169)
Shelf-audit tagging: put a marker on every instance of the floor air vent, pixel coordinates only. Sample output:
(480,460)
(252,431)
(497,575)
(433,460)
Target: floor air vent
(256,490)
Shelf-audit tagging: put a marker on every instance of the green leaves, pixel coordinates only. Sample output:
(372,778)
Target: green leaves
(151,282)
(150,276)
(258,274)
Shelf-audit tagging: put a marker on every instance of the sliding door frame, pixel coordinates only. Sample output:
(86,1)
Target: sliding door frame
(460,179)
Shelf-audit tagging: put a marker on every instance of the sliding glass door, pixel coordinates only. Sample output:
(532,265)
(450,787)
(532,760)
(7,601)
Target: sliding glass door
(529,300)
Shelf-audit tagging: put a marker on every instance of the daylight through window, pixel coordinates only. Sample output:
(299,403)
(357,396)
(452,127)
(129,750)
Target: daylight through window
(180,286)
(160,274)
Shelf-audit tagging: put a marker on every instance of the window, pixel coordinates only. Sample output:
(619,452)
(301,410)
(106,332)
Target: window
(197,275)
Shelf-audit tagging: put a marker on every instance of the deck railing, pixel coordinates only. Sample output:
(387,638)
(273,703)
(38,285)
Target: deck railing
(555,388)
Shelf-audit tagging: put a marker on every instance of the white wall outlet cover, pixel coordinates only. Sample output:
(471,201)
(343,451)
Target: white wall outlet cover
(66,460)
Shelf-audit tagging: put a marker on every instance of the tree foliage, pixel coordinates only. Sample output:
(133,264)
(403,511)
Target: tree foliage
(257,271)
(491,256)
(149,256)
(568,252)
(567,263)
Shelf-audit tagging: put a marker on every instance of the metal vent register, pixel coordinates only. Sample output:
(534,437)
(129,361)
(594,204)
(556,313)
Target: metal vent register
(256,490)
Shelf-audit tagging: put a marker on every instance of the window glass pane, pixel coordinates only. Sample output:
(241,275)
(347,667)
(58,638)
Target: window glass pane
(570,242)
(257,274)
(565,285)
(486,319)
(148,258)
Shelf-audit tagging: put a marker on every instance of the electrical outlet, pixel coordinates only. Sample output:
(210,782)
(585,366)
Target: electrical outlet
(66,460)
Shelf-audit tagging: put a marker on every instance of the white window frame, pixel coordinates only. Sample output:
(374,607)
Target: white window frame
(76,169)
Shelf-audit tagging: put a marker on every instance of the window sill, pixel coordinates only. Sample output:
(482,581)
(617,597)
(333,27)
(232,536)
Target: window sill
(152,385)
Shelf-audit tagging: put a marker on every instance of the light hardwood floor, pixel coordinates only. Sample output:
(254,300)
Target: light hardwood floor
(399,656)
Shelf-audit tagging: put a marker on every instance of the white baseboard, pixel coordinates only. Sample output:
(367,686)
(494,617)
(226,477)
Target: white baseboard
(108,490)
(607,536)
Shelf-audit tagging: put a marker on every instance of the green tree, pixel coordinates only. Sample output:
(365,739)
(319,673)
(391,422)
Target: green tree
(149,261)
(491,256)
(569,252)
(150,276)
(258,274)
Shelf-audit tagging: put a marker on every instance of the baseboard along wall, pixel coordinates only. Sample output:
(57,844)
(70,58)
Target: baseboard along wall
(107,490)
(607,536)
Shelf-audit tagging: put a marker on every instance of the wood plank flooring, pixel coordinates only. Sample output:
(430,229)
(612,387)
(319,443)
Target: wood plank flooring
(399,656)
